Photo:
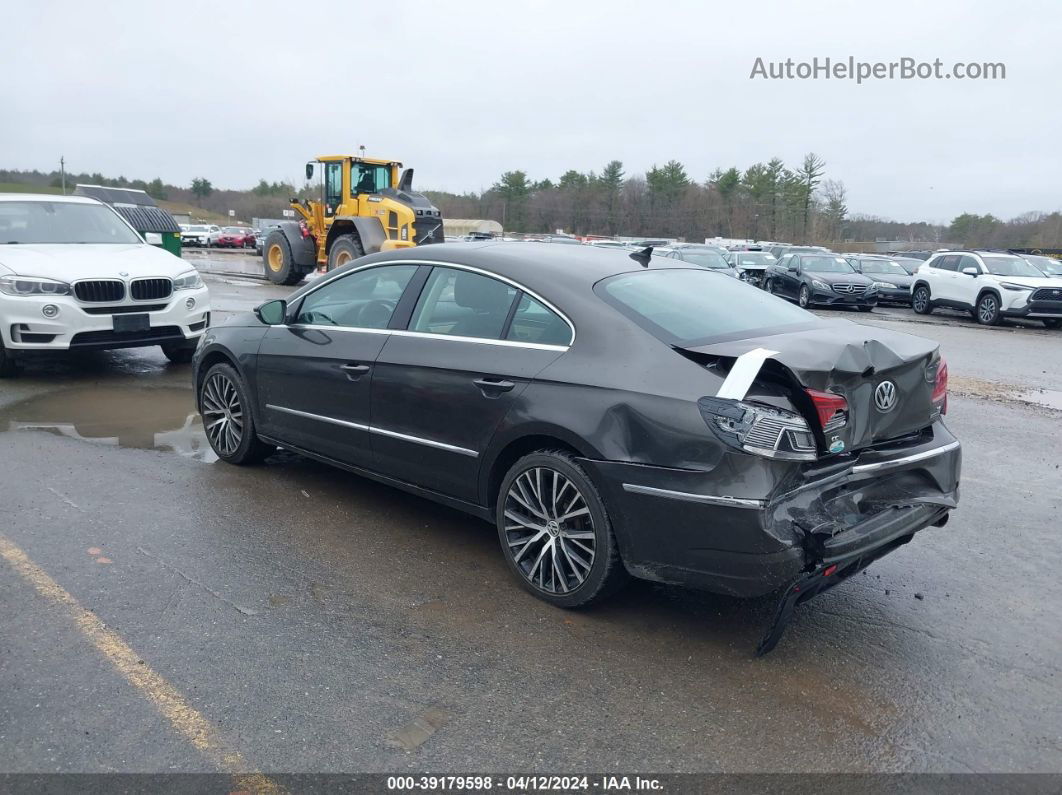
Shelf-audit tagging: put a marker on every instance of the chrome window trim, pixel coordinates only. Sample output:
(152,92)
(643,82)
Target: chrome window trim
(429,336)
(435,263)
(731,502)
(877,466)
(379,431)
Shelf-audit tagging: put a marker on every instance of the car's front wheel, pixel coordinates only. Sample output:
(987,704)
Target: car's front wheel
(8,365)
(920,301)
(555,531)
(179,354)
(988,310)
(227,417)
(804,299)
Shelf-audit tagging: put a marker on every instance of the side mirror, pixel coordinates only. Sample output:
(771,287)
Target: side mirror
(971,271)
(309,171)
(793,269)
(272,313)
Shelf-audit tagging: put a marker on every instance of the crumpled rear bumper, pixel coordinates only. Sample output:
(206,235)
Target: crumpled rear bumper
(752,526)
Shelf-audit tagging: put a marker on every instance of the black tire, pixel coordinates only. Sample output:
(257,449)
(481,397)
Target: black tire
(1052,322)
(988,310)
(768,285)
(865,308)
(345,248)
(8,365)
(921,303)
(220,384)
(278,261)
(574,581)
(804,297)
(178,353)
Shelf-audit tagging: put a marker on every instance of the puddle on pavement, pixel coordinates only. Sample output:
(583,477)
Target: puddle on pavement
(1048,398)
(144,418)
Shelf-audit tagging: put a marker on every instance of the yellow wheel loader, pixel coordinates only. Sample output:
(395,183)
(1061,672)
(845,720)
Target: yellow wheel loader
(366,205)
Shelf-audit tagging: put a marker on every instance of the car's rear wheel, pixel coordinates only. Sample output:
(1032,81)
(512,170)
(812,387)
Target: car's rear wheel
(804,299)
(227,418)
(988,310)
(555,531)
(920,301)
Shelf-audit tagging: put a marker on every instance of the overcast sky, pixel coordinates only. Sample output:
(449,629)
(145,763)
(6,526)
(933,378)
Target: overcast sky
(464,91)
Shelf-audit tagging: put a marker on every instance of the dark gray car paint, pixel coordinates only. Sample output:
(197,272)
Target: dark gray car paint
(626,403)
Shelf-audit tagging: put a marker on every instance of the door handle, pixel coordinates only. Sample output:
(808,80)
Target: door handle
(492,387)
(354,371)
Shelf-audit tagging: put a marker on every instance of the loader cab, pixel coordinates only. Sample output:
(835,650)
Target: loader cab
(348,183)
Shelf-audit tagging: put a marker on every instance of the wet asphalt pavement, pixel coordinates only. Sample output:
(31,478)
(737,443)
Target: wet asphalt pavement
(322,622)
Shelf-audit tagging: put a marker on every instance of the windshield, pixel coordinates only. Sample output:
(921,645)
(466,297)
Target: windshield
(1010,266)
(1049,265)
(882,266)
(62,222)
(826,264)
(704,258)
(752,259)
(688,307)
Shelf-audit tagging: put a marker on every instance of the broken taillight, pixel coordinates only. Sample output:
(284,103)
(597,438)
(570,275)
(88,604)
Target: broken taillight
(940,387)
(831,408)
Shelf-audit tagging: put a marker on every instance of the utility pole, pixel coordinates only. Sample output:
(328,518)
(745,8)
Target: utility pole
(62,172)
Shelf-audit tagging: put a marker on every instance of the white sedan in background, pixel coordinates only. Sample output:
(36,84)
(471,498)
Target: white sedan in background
(75,276)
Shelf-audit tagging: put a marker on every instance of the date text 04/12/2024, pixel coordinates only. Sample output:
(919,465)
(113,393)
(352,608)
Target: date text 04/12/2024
(523,783)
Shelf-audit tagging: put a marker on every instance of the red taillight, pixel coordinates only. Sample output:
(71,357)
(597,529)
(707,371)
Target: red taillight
(828,405)
(940,387)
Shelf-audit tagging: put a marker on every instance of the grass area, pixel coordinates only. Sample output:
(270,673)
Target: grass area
(23,187)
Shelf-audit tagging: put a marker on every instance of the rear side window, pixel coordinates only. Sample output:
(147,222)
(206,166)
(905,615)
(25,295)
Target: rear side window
(463,304)
(946,263)
(689,307)
(538,324)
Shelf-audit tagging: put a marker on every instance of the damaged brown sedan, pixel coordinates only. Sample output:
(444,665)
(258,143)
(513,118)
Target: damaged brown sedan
(613,415)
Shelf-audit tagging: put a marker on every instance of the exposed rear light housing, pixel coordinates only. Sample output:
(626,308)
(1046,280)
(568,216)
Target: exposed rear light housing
(759,429)
(831,408)
(940,385)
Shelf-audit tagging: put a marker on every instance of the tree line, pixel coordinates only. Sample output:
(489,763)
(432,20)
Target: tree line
(765,201)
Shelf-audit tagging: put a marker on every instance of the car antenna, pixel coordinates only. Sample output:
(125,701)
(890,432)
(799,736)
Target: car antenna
(642,257)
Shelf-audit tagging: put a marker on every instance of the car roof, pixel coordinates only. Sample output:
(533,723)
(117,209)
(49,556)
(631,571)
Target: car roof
(47,197)
(545,268)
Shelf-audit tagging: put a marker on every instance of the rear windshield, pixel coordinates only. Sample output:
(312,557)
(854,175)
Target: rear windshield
(704,258)
(62,222)
(690,307)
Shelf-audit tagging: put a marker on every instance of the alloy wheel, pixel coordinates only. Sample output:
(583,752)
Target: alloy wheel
(921,299)
(549,530)
(986,310)
(805,297)
(222,414)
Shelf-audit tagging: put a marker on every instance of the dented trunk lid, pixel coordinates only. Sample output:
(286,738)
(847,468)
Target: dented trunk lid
(853,361)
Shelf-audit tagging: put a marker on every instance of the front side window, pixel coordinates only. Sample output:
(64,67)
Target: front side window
(968,262)
(691,307)
(536,323)
(369,178)
(362,299)
(62,222)
(463,304)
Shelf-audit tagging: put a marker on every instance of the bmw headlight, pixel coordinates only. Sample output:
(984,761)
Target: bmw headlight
(32,285)
(884,286)
(820,285)
(188,281)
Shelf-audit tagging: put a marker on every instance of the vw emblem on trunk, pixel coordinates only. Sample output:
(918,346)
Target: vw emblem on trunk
(885,396)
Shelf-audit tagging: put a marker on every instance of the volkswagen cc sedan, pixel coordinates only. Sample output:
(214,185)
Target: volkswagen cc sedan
(611,414)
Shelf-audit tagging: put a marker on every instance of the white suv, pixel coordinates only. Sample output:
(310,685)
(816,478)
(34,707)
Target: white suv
(74,276)
(990,285)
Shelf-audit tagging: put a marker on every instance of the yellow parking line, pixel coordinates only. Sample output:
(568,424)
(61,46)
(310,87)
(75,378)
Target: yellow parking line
(164,696)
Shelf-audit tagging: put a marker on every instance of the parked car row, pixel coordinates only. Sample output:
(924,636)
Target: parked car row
(206,235)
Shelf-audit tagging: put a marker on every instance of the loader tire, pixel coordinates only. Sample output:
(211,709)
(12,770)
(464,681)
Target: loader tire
(279,262)
(345,249)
